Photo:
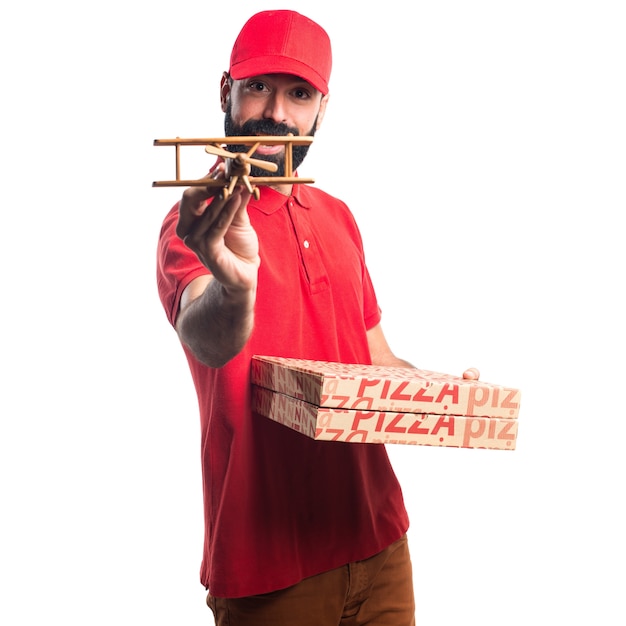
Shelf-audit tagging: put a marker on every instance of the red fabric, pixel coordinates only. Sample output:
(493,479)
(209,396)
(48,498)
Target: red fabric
(283,42)
(280,507)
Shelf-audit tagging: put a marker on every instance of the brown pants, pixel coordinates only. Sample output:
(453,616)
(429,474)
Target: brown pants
(376,592)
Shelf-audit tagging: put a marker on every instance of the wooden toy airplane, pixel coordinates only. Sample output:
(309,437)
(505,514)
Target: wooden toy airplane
(238,164)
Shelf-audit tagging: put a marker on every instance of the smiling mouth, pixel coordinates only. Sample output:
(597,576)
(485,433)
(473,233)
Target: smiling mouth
(275,149)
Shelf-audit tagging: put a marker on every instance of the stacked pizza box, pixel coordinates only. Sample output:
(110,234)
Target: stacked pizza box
(389,405)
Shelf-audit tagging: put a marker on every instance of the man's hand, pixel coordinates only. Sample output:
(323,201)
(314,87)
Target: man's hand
(220,233)
(217,311)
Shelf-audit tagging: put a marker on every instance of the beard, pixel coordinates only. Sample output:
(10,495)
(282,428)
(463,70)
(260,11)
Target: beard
(266,127)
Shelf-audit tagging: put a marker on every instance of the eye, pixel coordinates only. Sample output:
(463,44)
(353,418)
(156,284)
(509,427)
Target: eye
(257,85)
(301,93)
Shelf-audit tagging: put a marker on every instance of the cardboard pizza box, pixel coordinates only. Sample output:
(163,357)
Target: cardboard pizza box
(386,427)
(389,389)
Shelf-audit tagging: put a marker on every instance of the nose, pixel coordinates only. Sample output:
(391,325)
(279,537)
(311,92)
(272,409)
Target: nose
(275,108)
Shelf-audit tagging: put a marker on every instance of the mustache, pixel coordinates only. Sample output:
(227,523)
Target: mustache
(267,127)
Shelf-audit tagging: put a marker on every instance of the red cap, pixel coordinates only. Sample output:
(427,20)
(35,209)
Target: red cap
(283,42)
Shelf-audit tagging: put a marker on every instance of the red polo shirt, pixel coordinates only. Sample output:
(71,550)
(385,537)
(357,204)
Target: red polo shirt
(279,506)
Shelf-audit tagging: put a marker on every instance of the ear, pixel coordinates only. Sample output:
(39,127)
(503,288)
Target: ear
(322,111)
(225,87)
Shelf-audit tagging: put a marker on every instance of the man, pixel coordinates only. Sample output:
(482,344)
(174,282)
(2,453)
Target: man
(296,531)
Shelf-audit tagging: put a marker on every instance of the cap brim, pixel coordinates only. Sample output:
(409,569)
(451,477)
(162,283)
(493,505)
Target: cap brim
(278,65)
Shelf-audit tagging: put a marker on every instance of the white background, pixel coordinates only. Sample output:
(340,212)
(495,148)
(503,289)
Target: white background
(481,146)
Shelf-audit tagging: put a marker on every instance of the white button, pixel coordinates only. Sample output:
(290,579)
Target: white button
(306,244)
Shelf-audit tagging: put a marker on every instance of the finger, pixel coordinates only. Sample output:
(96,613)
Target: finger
(471,374)
(219,163)
(218,169)
(192,205)
(214,222)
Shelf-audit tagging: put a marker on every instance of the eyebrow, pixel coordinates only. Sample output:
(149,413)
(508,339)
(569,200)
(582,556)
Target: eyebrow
(296,80)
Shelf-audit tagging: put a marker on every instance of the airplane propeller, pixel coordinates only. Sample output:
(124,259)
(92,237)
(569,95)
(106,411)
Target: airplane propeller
(238,166)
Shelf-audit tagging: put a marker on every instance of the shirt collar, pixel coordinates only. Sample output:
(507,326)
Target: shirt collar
(271,200)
